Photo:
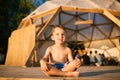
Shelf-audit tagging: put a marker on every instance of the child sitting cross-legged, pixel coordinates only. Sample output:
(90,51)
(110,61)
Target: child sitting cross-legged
(60,55)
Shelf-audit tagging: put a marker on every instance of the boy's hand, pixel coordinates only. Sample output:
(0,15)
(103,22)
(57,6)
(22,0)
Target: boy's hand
(77,62)
(44,67)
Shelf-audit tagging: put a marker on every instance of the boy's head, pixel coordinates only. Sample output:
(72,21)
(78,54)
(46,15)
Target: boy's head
(56,26)
(58,34)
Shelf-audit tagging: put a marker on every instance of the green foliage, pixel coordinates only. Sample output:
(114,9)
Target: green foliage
(11,14)
(118,0)
(21,10)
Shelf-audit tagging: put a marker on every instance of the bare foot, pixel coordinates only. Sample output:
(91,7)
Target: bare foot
(46,74)
(73,74)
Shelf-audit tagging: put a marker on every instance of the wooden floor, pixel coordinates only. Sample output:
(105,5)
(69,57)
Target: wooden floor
(34,73)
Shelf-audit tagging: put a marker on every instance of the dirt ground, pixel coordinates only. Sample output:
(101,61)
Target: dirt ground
(34,73)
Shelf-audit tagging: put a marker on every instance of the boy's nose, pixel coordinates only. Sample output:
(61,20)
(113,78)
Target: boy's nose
(61,36)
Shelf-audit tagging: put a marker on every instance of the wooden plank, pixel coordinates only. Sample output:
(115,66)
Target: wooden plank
(21,23)
(42,14)
(35,73)
(115,13)
(69,8)
(107,37)
(112,17)
(7,78)
(59,78)
(83,22)
(25,23)
(94,10)
(49,21)
(20,46)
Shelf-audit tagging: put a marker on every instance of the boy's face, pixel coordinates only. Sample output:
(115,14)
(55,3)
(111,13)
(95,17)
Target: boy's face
(59,35)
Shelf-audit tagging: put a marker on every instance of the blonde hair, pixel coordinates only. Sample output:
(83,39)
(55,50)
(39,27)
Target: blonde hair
(56,26)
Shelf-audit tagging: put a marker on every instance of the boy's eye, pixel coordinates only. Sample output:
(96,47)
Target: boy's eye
(57,34)
(60,34)
(63,34)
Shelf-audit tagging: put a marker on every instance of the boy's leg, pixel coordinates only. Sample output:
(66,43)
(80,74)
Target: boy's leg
(54,71)
(70,67)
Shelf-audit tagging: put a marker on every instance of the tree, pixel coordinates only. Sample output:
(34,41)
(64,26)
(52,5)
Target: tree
(118,0)
(11,13)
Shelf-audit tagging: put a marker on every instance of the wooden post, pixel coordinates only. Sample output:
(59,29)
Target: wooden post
(112,17)
(20,46)
(84,22)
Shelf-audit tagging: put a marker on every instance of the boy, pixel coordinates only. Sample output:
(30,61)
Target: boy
(58,55)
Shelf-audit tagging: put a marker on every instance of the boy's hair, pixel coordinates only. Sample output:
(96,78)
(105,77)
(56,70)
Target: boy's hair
(56,26)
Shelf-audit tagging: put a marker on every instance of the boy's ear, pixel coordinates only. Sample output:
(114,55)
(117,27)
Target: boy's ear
(52,37)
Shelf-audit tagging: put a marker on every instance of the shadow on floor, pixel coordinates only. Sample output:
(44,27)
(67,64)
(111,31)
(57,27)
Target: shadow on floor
(88,74)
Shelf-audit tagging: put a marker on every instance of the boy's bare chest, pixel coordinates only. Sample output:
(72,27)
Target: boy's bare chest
(59,54)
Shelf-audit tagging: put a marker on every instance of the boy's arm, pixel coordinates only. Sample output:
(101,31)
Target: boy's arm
(76,60)
(43,61)
(70,57)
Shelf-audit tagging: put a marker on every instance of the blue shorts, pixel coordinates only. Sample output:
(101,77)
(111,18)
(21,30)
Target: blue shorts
(58,65)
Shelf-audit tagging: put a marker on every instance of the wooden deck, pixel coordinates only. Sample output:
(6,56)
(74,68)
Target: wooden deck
(34,73)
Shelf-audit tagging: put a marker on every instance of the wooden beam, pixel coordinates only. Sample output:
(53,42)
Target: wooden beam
(20,45)
(115,13)
(68,37)
(42,14)
(68,21)
(25,22)
(67,13)
(100,39)
(94,10)
(108,37)
(21,23)
(93,28)
(83,22)
(68,8)
(49,21)
(83,35)
(112,17)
